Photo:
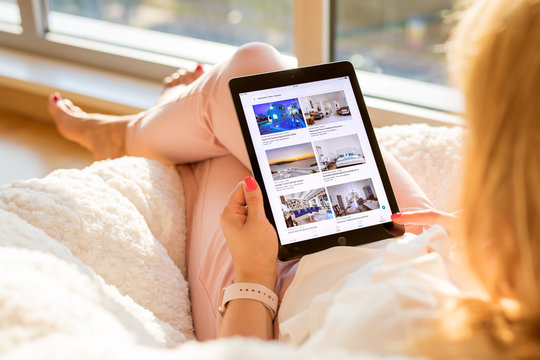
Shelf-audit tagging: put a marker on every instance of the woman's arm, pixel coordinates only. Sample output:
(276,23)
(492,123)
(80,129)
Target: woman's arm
(253,244)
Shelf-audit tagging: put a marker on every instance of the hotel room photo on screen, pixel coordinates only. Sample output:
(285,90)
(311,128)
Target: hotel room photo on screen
(306,207)
(353,198)
(340,152)
(291,161)
(324,109)
(279,116)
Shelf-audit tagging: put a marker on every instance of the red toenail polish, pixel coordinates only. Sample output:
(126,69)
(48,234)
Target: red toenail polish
(199,67)
(56,98)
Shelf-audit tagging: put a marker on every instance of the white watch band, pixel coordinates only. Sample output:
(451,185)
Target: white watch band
(251,291)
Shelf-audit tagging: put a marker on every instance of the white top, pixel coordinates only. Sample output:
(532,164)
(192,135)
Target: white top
(372,298)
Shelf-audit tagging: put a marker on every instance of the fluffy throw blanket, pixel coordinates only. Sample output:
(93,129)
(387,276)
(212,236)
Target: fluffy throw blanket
(93,261)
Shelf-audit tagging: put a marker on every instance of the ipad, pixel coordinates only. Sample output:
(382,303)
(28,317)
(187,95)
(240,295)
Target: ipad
(314,154)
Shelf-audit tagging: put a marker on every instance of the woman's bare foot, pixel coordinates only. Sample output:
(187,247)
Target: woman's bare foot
(173,85)
(103,135)
(182,77)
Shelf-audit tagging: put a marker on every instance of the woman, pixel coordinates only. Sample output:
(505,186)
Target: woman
(195,125)
(497,64)
(495,54)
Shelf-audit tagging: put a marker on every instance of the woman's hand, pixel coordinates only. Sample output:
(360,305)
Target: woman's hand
(250,236)
(426,218)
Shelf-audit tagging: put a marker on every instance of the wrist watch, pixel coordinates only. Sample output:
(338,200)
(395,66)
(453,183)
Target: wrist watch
(251,291)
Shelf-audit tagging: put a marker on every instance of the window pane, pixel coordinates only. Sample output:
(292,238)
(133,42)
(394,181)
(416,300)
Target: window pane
(403,38)
(9,12)
(233,22)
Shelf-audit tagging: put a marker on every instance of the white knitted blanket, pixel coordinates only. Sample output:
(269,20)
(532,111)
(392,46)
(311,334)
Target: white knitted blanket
(93,261)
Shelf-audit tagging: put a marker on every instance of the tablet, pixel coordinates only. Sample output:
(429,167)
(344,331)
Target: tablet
(314,154)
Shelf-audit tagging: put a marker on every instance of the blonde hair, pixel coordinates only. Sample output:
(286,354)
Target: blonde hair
(495,61)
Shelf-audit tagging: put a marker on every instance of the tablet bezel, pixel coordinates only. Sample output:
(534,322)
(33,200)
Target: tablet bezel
(305,75)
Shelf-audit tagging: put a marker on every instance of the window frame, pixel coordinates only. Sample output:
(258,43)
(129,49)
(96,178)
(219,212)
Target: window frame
(313,45)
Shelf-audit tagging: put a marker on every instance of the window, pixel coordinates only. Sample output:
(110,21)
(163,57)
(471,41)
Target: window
(397,45)
(403,38)
(9,15)
(229,22)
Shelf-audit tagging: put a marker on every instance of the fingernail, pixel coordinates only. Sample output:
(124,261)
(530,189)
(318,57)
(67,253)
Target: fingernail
(56,97)
(199,67)
(395,216)
(250,183)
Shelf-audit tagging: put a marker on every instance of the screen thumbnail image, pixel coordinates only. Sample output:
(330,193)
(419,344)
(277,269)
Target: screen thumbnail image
(292,161)
(278,116)
(326,108)
(353,198)
(339,152)
(306,207)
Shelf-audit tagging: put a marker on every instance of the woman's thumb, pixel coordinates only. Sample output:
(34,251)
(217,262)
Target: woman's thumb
(253,196)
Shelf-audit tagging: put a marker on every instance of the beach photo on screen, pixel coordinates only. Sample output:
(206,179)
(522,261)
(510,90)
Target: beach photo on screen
(339,152)
(306,207)
(353,198)
(291,161)
(279,116)
(324,109)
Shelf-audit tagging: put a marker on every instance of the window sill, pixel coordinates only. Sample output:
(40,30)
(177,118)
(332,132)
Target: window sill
(105,90)
(110,92)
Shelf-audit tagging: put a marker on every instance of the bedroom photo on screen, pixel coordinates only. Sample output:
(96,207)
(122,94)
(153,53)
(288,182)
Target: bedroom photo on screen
(339,152)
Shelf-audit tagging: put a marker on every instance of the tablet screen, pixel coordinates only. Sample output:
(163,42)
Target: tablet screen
(315,158)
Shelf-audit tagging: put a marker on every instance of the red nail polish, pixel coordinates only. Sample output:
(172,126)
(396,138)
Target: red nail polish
(250,183)
(395,216)
(56,98)
(199,67)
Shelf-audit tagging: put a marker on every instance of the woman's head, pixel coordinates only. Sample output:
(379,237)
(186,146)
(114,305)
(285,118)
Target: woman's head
(495,60)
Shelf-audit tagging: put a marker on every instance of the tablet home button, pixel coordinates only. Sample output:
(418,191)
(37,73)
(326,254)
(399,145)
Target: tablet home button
(342,241)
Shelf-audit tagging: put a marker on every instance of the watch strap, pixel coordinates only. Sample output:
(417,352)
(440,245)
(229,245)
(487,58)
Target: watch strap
(251,291)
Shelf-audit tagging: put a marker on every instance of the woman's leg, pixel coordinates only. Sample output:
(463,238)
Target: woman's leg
(210,267)
(198,124)
(201,123)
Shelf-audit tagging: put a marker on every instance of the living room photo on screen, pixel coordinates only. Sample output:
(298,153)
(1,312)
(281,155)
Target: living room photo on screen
(292,161)
(339,152)
(353,198)
(326,108)
(306,207)
(279,116)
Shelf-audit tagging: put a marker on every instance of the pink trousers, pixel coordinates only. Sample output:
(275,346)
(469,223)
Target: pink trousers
(198,130)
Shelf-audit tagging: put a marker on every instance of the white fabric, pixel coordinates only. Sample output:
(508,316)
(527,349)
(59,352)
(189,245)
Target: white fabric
(432,155)
(79,257)
(366,298)
(92,261)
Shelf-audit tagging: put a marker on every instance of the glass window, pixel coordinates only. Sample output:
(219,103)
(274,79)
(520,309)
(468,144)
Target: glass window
(9,12)
(233,22)
(402,38)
